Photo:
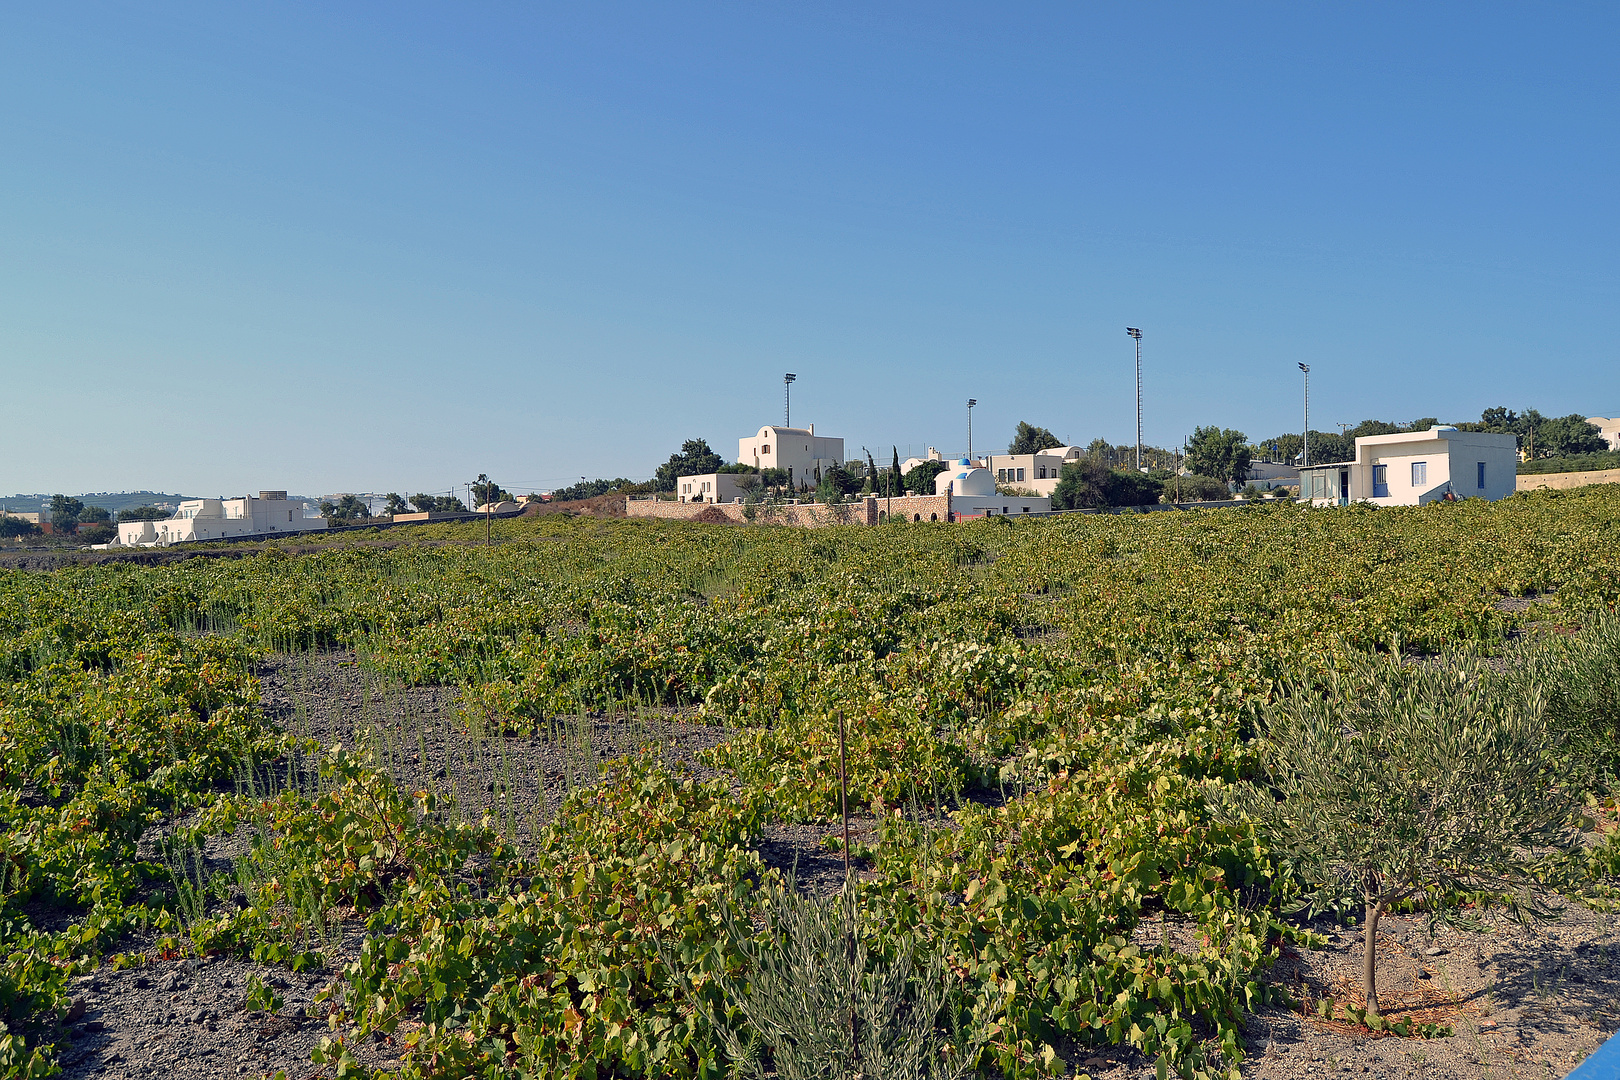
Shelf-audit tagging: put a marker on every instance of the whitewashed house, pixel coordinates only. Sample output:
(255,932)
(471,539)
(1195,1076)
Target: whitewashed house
(1038,472)
(219,519)
(1417,467)
(709,487)
(973,493)
(1609,428)
(799,450)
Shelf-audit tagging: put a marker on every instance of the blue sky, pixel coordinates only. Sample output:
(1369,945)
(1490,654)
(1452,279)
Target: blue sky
(388,247)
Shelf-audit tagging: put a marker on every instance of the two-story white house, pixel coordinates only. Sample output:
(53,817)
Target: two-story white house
(799,450)
(1416,467)
(218,519)
(1038,472)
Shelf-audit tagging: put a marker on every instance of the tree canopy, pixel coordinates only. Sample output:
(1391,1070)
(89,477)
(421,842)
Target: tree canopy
(694,458)
(1029,439)
(142,513)
(1432,781)
(1219,452)
(921,477)
(437,504)
(348,508)
(488,491)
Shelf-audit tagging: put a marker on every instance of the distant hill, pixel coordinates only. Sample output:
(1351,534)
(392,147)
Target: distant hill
(112,501)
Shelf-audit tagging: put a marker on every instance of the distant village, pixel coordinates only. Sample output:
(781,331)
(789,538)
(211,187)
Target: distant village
(792,475)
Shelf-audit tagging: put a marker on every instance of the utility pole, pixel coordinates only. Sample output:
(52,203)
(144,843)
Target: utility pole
(1137,337)
(971,402)
(787,406)
(1306,368)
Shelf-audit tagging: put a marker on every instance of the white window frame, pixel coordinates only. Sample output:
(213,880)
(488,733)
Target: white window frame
(1420,473)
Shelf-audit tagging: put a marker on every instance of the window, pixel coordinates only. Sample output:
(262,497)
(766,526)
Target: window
(1020,475)
(1481,476)
(1420,473)
(1003,509)
(1001,476)
(1380,481)
(766,449)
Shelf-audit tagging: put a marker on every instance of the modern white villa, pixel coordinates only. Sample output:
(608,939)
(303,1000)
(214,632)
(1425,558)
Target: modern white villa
(217,519)
(1413,468)
(1038,472)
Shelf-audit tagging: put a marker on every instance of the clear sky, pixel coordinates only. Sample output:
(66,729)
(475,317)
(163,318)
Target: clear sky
(348,247)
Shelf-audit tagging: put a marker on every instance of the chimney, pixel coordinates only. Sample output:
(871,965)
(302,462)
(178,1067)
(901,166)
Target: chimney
(812,429)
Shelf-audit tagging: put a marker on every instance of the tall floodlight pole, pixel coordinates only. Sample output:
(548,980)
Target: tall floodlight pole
(971,402)
(1137,334)
(787,405)
(1306,460)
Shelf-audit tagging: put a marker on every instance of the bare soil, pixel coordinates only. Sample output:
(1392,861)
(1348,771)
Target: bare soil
(1520,1001)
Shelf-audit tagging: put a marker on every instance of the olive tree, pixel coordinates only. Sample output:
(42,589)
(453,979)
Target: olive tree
(1411,782)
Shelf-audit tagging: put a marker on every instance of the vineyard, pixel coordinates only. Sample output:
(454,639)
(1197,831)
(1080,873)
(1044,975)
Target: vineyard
(558,823)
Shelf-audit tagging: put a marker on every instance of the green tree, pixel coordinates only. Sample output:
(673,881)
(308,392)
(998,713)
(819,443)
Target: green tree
(347,509)
(95,515)
(1103,451)
(893,486)
(437,504)
(1219,452)
(1127,487)
(590,489)
(143,513)
(694,459)
(1029,439)
(775,479)
(96,532)
(835,483)
(486,490)
(921,477)
(397,504)
(1428,780)
(1082,485)
(1567,435)
(15,526)
(65,513)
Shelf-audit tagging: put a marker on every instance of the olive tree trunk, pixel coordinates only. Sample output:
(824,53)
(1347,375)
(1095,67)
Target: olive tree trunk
(1369,954)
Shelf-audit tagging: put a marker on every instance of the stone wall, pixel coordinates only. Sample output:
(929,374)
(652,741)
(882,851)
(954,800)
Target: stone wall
(868,510)
(1532,481)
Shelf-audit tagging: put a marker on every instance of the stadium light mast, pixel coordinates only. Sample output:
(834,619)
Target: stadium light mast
(787,404)
(1306,460)
(1136,333)
(971,402)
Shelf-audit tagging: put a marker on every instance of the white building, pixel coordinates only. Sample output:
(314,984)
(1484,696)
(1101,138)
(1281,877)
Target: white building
(1413,468)
(217,519)
(799,450)
(1609,428)
(973,493)
(710,487)
(1038,472)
